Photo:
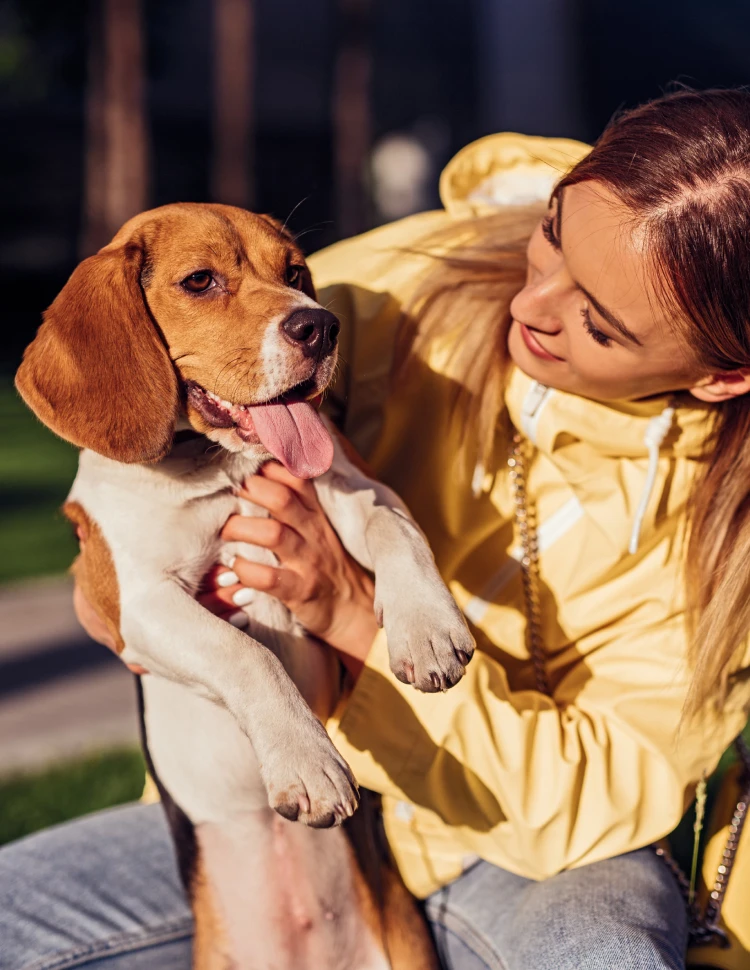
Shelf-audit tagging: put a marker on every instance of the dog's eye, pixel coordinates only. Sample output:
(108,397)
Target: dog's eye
(294,276)
(198,282)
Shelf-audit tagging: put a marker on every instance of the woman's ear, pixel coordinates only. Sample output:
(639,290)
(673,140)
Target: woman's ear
(721,387)
(97,373)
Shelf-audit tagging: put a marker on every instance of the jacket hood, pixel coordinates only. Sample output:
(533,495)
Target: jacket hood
(506,169)
(584,439)
(553,419)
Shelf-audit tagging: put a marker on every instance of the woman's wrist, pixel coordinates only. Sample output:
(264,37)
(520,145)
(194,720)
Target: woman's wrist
(356,629)
(353,646)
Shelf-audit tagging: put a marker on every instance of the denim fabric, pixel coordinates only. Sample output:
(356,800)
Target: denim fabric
(103,893)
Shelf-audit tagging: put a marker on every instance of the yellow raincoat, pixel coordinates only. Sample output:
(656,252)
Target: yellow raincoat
(494,769)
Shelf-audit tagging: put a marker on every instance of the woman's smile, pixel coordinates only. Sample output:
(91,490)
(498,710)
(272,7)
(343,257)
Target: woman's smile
(533,344)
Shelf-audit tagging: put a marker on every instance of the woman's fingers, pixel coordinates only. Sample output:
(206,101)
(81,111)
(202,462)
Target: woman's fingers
(222,605)
(285,584)
(226,590)
(96,628)
(272,471)
(268,533)
(303,487)
(90,620)
(288,499)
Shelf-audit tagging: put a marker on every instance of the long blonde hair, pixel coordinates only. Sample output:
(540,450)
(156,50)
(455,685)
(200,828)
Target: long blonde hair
(682,165)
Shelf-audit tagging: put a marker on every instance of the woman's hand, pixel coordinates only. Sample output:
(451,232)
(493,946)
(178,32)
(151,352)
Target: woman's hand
(95,626)
(328,592)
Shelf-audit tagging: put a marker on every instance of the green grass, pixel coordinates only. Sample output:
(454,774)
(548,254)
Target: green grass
(36,470)
(30,802)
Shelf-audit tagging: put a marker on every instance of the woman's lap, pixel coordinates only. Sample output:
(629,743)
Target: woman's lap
(625,912)
(103,893)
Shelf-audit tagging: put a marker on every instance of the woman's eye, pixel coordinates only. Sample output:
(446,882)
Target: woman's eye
(294,276)
(548,231)
(593,331)
(198,282)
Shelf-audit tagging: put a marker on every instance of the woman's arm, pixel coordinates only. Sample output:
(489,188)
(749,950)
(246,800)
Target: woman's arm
(595,770)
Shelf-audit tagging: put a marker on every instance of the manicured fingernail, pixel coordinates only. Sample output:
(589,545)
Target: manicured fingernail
(231,562)
(240,619)
(243,596)
(228,579)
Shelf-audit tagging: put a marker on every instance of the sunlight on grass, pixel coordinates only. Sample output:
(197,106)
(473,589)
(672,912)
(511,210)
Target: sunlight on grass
(36,471)
(30,802)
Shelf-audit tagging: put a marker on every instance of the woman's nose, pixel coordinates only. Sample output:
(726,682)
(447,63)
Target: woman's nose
(538,304)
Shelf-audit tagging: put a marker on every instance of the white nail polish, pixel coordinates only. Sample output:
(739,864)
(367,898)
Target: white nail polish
(240,619)
(243,597)
(228,579)
(231,562)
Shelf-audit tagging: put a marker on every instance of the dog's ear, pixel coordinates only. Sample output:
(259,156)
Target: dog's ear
(97,373)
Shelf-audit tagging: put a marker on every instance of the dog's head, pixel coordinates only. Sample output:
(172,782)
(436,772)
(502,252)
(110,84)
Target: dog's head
(206,310)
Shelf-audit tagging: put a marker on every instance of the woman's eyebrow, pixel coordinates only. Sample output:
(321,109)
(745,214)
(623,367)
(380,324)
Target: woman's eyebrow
(612,319)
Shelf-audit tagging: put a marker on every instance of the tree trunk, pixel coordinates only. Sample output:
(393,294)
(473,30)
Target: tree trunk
(116,138)
(231,168)
(351,117)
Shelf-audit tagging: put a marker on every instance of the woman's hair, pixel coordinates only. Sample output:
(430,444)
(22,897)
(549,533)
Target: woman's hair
(681,166)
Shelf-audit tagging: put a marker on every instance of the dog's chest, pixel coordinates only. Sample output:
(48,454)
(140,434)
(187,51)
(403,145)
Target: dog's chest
(166,519)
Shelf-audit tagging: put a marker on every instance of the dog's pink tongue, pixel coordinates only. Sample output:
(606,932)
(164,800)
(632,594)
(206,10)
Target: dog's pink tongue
(296,436)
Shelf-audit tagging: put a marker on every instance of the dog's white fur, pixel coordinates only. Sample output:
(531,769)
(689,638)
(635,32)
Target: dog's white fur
(227,729)
(162,523)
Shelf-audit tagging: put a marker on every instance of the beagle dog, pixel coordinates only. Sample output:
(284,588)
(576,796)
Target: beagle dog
(180,358)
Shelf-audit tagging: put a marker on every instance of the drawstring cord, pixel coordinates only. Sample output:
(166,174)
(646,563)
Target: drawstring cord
(656,431)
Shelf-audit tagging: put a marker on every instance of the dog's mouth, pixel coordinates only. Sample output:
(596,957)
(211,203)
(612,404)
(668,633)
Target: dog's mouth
(288,426)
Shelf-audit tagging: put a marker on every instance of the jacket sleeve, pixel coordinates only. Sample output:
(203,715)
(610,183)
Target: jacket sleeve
(552,782)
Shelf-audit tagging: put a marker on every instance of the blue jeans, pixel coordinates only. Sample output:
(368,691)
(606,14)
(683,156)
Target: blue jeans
(103,893)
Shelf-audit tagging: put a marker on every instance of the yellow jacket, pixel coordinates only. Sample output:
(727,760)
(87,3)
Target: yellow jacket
(494,769)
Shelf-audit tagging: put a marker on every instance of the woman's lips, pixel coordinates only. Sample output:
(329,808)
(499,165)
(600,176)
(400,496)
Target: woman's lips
(534,346)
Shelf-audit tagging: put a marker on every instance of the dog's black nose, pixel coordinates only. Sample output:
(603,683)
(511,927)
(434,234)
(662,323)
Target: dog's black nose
(314,331)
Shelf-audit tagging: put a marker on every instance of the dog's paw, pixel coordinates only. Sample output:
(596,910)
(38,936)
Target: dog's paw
(311,783)
(429,648)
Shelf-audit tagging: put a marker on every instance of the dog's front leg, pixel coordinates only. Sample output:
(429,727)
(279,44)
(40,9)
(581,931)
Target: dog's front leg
(171,635)
(429,643)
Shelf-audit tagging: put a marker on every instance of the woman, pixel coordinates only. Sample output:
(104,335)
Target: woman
(613,333)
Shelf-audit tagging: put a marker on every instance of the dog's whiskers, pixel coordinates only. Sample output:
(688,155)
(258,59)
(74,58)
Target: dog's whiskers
(286,221)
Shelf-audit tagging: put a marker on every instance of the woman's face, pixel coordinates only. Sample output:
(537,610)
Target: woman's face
(588,320)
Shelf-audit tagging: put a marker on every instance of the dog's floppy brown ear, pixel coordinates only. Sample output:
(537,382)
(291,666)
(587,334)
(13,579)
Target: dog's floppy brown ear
(97,373)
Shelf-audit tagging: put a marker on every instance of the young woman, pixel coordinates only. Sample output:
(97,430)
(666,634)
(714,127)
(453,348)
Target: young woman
(605,342)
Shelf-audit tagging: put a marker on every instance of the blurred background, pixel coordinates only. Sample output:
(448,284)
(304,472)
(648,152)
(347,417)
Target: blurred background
(334,114)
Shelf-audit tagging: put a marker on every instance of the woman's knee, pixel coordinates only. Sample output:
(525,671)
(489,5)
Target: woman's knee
(625,912)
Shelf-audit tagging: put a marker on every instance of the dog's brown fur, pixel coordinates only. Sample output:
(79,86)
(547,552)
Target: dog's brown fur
(57,379)
(210,945)
(94,571)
